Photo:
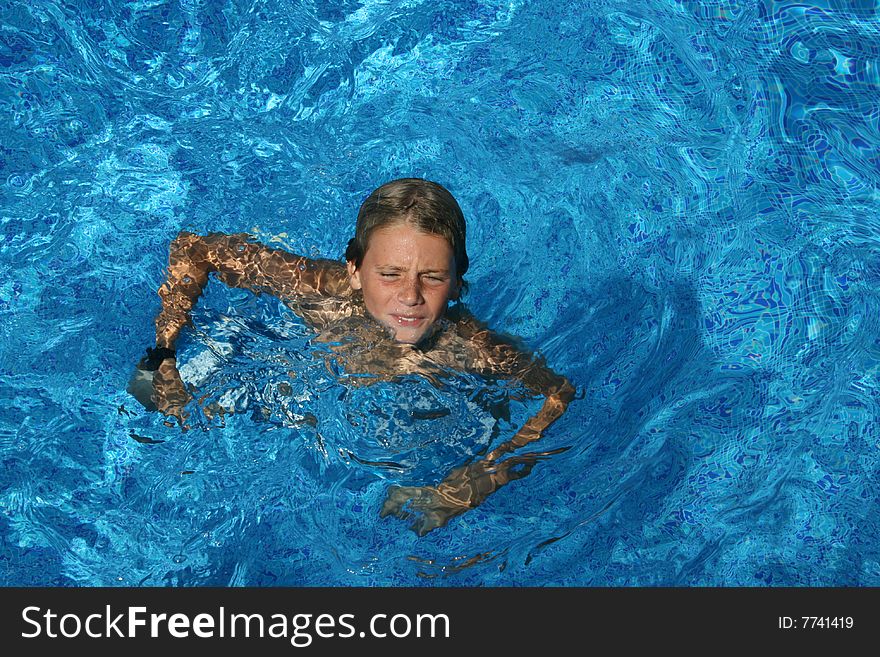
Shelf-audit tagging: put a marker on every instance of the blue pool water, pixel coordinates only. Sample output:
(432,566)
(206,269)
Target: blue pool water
(675,203)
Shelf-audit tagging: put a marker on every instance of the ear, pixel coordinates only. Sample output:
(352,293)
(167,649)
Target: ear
(456,289)
(354,276)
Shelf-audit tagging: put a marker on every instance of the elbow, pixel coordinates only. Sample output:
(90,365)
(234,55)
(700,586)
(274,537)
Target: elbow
(180,247)
(183,242)
(565,392)
(191,254)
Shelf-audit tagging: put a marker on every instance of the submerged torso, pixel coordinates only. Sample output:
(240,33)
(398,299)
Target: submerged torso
(363,348)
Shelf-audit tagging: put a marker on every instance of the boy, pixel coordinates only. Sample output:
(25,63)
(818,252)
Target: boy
(405,263)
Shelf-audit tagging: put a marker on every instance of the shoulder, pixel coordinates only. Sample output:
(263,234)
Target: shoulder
(330,277)
(494,353)
(242,260)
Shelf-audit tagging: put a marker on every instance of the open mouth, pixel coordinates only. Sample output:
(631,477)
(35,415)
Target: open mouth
(403,320)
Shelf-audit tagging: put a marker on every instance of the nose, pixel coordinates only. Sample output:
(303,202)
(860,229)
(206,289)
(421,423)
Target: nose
(410,291)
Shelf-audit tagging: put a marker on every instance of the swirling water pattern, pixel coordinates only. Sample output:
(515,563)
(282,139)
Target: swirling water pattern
(674,202)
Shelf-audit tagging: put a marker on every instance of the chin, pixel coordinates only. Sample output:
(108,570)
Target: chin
(405,336)
(410,339)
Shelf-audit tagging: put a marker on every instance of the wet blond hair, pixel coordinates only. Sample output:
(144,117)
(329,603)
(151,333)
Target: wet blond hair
(422,204)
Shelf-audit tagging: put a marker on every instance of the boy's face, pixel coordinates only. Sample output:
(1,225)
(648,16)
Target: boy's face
(407,278)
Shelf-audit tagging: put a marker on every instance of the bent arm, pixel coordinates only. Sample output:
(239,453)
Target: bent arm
(468,486)
(497,357)
(554,406)
(238,262)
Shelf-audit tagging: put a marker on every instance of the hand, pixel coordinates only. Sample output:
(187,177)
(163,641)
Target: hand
(464,488)
(169,392)
(425,503)
(157,385)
